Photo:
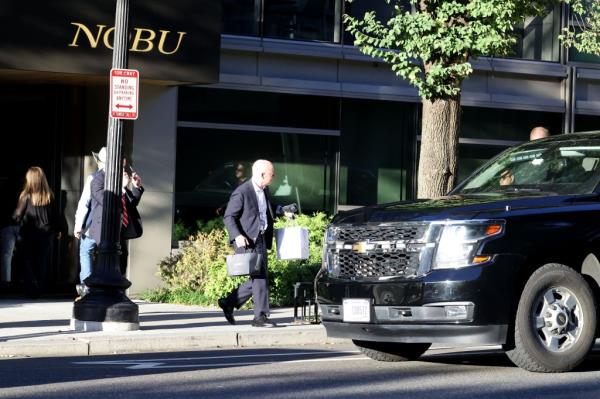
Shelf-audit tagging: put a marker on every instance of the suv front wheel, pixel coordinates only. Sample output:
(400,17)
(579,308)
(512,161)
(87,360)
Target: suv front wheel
(391,351)
(555,323)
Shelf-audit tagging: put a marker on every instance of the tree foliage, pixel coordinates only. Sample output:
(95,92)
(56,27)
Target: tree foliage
(431,43)
(586,36)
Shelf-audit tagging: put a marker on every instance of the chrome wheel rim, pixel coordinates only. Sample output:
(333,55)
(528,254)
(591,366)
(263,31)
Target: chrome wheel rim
(558,319)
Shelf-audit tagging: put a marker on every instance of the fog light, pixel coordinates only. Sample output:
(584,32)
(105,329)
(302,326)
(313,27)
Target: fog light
(456,311)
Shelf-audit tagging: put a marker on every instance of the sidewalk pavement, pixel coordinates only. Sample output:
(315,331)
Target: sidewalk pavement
(41,328)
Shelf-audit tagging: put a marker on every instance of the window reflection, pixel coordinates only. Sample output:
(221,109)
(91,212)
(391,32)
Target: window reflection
(537,37)
(241,17)
(376,151)
(303,169)
(472,156)
(300,19)
(383,10)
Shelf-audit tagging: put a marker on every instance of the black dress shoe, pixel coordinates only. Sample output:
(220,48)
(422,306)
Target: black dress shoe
(263,321)
(227,310)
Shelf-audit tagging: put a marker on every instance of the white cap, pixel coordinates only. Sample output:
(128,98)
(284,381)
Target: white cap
(100,156)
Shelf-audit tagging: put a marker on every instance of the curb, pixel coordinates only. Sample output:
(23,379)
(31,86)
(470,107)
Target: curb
(140,342)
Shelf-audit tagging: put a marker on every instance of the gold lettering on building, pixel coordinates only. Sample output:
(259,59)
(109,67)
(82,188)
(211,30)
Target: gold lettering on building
(143,38)
(161,43)
(93,40)
(139,32)
(109,38)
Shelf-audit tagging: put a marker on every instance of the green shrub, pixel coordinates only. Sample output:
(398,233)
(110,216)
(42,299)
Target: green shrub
(207,227)
(284,273)
(181,231)
(198,273)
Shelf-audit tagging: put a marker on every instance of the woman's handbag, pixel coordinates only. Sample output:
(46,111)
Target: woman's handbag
(244,264)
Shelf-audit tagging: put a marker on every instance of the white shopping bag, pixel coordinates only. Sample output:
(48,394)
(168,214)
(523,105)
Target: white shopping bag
(292,243)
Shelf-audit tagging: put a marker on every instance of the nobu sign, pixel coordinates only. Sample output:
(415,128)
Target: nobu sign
(173,42)
(124,88)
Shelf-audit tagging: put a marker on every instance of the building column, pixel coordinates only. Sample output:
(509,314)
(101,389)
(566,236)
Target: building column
(153,157)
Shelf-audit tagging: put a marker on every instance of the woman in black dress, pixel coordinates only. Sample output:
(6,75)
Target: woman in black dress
(37,214)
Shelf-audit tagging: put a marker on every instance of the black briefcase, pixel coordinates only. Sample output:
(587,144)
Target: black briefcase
(244,264)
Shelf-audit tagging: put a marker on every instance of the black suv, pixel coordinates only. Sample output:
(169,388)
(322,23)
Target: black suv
(509,257)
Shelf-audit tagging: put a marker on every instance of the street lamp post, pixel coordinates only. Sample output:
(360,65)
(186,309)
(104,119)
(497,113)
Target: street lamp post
(106,307)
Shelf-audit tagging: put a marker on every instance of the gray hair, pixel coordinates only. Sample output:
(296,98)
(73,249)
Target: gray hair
(260,166)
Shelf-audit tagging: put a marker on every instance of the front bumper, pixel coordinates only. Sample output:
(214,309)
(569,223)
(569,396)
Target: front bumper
(419,333)
(416,310)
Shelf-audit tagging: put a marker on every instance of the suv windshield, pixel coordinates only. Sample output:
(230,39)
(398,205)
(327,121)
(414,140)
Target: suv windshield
(548,167)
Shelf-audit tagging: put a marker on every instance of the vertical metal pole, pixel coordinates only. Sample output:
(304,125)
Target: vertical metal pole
(338,27)
(573,97)
(109,247)
(107,306)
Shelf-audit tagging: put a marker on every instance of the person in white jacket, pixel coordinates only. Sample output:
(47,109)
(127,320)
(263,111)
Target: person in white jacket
(87,245)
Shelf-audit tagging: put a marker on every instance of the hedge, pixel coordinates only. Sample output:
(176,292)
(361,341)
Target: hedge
(197,273)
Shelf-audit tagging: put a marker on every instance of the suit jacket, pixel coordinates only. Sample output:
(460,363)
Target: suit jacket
(132,199)
(134,228)
(242,215)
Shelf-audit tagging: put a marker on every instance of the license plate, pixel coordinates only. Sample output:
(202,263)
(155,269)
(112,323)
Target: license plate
(357,310)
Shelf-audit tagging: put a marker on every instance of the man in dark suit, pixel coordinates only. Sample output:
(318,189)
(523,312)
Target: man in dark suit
(249,222)
(130,219)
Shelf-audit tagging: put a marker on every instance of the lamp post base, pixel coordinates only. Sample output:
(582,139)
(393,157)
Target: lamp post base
(103,310)
(88,326)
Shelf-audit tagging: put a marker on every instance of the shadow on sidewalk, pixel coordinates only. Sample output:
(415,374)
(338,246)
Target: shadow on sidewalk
(35,323)
(161,316)
(220,320)
(35,335)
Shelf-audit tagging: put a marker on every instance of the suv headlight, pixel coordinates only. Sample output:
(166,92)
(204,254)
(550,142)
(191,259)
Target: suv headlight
(329,262)
(459,243)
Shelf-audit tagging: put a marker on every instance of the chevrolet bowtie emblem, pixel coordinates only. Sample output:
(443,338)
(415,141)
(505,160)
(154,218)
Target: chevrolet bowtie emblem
(360,247)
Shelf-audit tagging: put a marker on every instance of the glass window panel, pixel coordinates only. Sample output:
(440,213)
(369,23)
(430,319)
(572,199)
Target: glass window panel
(300,19)
(472,156)
(211,164)
(256,108)
(241,17)
(586,123)
(358,8)
(576,56)
(376,151)
(537,37)
(505,124)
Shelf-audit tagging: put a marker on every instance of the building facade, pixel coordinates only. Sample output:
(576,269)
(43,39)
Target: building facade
(340,127)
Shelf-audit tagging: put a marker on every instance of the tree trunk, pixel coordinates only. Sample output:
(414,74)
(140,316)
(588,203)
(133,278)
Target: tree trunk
(439,147)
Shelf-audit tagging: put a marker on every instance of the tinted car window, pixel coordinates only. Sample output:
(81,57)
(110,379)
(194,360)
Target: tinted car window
(549,167)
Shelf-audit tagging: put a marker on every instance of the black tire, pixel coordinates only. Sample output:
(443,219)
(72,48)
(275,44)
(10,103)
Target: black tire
(555,323)
(391,351)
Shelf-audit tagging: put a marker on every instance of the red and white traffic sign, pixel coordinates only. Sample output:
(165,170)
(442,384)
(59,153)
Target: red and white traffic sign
(124,93)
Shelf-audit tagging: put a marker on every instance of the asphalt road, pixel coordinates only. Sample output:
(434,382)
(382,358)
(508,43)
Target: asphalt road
(306,372)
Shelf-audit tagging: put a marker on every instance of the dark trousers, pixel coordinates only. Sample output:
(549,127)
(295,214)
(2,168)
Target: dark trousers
(36,258)
(124,256)
(256,287)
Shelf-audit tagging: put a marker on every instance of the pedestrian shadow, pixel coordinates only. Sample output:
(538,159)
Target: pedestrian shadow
(165,316)
(213,323)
